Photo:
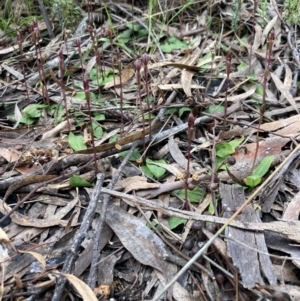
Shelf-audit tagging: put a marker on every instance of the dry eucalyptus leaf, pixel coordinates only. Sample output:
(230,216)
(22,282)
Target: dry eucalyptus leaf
(82,288)
(136,183)
(145,246)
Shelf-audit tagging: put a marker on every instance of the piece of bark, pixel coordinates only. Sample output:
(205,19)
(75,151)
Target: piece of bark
(250,263)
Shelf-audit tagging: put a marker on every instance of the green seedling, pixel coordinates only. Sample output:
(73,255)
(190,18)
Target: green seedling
(101,78)
(97,130)
(32,112)
(77,181)
(255,178)
(152,170)
(135,156)
(224,150)
(172,43)
(184,110)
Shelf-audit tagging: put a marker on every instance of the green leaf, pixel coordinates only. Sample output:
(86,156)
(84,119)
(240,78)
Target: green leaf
(98,116)
(147,171)
(236,142)
(114,138)
(183,110)
(193,195)
(224,149)
(136,154)
(174,222)
(97,129)
(34,110)
(263,166)
(142,33)
(204,59)
(77,181)
(124,37)
(243,41)
(146,117)
(101,78)
(27,120)
(211,208)
(170,111)
(76,142)
(81,95)
(259,90)
(172,43)
(252,180)
(134,27)
(242,66)
(154,169)
(214,109)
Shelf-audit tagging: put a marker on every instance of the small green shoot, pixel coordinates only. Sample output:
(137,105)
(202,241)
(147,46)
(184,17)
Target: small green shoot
(214,109)
(98,116)
(135,156)
(172,43)
(184,110)
(97,130)
(81,95)
(224,150)
(100,79)
(263,167)
(77,181)
(32,112)
(152,170)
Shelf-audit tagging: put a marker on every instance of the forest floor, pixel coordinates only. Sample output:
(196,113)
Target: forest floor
(150,152)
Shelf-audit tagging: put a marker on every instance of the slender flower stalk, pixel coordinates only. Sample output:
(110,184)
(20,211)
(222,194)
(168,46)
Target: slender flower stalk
(145,59)
(270,42)
(61,66)
(191,134)
(138,66)
(35,34)
(88,100)
(19,40)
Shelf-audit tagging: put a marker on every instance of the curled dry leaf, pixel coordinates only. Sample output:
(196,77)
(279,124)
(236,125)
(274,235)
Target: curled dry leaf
(292,211)
(145,246)
(126,75)
(38,257)
(136,183)
(82,288)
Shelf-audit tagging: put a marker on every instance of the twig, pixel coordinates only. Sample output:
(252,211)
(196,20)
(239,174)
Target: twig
(46,18)
(99,226)
(79,237)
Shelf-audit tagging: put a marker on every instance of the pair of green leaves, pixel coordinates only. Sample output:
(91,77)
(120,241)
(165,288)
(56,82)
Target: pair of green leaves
(224,150)
(77,141)
(32,112)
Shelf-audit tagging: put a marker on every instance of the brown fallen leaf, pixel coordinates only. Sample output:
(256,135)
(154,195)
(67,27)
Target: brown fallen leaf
(136,183)
(82,288)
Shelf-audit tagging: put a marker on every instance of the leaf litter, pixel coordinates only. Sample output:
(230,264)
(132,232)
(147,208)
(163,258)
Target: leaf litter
(126,147)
